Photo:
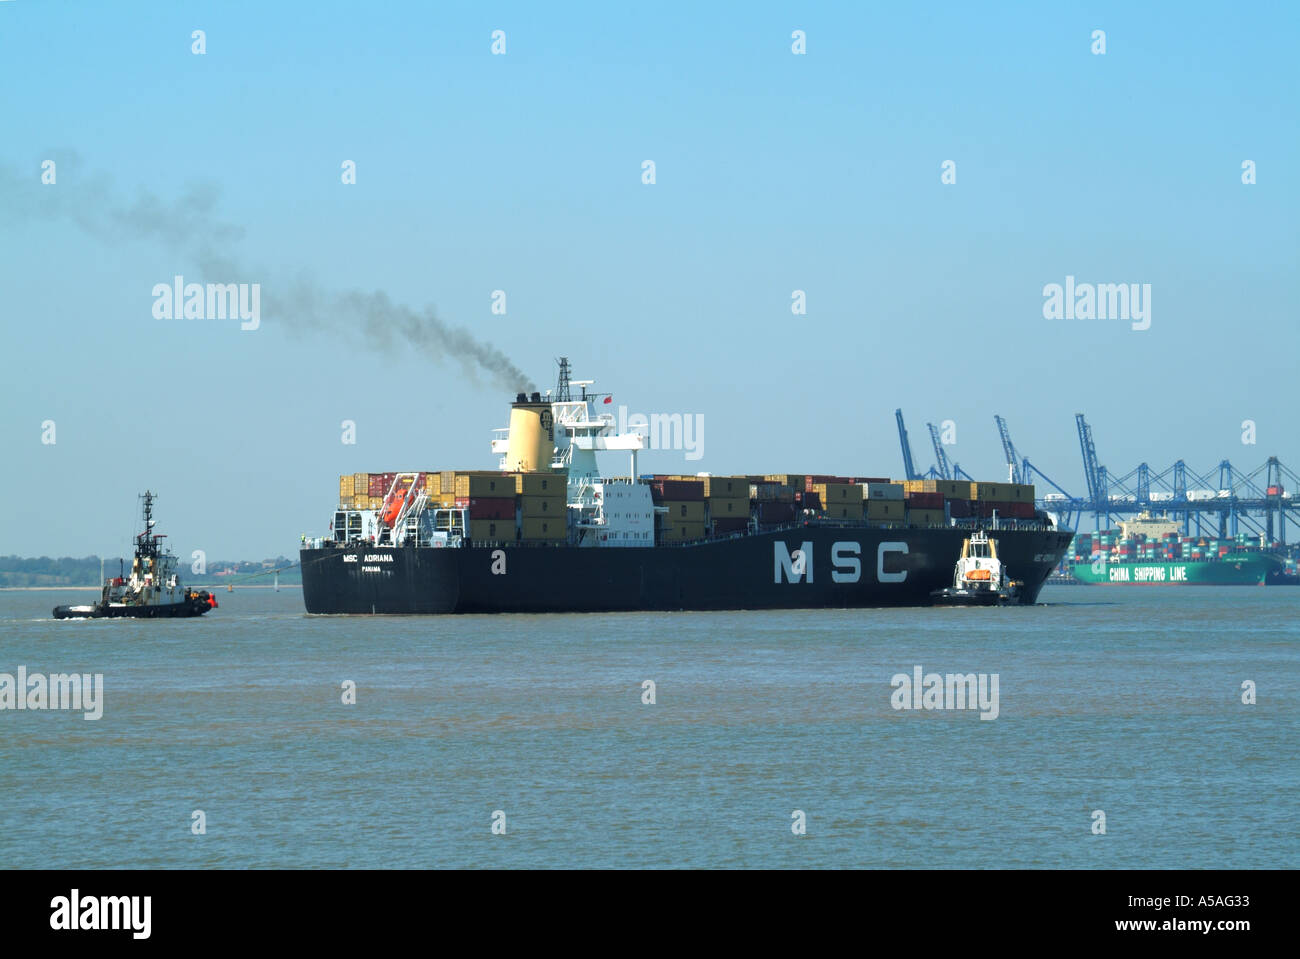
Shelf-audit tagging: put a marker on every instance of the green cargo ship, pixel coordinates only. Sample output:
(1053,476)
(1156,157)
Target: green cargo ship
(1234,569)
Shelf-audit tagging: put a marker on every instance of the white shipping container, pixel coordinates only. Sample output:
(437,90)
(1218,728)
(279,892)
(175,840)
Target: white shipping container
(882,490)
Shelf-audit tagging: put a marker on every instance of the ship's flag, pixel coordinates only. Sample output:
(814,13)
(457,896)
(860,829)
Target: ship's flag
(609,399)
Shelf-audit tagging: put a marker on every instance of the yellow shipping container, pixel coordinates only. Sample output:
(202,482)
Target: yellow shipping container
(925,517)
(956,489)
(537,527)
(885,509)
(1020,493)
(921,486)
(345,487)
(492,530)
(682,532)
(375,502)
(473,485)
(542,506)
(994,492)
(683,511)
(361,484)
(793,480)
(542,484)
(732,507)
(726,487)
(832,493)
(360,501)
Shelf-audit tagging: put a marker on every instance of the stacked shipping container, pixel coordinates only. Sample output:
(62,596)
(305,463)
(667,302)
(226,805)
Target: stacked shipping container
(503,506)
(532,506)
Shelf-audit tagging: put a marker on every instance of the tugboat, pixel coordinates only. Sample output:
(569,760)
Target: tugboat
(979,578)
(153,589)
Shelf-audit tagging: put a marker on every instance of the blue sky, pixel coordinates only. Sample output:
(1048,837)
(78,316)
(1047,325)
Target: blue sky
(522,172)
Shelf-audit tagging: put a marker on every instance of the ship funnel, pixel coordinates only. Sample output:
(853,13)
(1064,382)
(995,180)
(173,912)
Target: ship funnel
(532,436)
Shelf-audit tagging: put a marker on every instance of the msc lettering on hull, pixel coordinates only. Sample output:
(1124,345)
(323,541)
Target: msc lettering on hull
(797,566)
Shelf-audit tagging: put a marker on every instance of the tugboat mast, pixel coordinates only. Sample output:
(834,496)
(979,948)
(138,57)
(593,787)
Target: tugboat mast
(146,542)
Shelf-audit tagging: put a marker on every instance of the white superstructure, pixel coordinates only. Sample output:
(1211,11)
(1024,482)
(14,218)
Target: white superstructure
(604,511)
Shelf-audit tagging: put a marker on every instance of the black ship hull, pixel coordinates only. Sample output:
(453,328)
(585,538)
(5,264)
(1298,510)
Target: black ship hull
(817,566)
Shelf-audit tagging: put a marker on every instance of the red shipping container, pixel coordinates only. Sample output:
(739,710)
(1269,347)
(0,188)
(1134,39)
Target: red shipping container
(773,512)
(959,508)
(925,500)
(492,507)
(677,490)
(730,524)
(380,483)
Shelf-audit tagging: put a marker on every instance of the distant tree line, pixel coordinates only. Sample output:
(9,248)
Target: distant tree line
(71,571)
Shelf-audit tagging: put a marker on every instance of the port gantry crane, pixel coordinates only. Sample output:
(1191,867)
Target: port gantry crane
(909,470)
(1066,505)
(1234,504)
(943,469)
(1258,503)
(1093,473)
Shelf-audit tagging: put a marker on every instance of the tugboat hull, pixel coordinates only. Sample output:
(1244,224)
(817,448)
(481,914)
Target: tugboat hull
(116,611)
(968,597)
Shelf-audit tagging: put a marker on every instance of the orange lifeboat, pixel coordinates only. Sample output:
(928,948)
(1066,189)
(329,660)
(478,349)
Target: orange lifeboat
(390,515)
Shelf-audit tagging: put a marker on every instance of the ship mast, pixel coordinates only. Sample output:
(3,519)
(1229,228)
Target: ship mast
(562,392)
(146,543)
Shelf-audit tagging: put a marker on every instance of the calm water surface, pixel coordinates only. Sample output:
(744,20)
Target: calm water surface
(1126,700)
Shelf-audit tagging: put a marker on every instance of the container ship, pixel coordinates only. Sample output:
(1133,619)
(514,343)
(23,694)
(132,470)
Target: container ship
(1151,551)
(549,531)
